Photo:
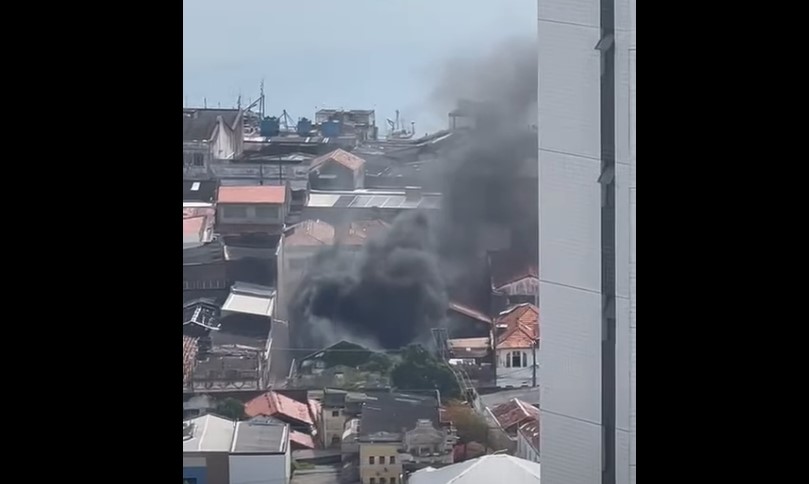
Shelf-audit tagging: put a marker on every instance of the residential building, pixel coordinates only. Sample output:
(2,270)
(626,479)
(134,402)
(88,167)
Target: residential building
(516,344)
(338,170)
(333,417)
(510,416)
(210,134)
(288,410)
(528,441)
(341,365)
(201,192)
(514,278)
(220,451)
(244,210)
(587,227)
(198,227)
(486,469)
(395,429)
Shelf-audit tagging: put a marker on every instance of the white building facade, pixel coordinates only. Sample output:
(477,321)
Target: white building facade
(587,186)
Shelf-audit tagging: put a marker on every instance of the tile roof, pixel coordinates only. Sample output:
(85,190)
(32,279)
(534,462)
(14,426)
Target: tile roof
(515,412)
(521,324)
(309,233)
(273,404)
(530,430)
(470,312)
(199,124)
(348,160)
(360,231)
(189,357)
(252,194)
(302,439)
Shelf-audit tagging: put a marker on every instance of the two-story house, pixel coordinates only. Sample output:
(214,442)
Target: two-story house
(208,135)
(516,344)
(251,210)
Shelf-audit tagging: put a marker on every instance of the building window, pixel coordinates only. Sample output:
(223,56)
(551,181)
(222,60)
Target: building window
(392,461)
(381,459)
(335,413)
(267,213)
(382,480)
(516,359)
(335,439)
(372,481)
(199,159)
(392,480)
(189,480)
(371,460)
(232,211)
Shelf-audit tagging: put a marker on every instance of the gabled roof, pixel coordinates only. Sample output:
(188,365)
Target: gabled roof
(309,233)
(360,231)
(509,266)
(469,312)
(521,323)
(512,414)
(340,156)
(199,124)
(209,433)
(530,431)
(273,194)
(486,469)
(274,404)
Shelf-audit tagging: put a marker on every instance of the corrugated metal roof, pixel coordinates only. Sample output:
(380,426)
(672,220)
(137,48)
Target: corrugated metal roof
(250,299)
(209,433)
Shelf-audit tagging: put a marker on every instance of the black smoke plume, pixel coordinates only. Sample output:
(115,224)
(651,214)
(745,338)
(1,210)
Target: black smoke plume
(398,287)
(389,294)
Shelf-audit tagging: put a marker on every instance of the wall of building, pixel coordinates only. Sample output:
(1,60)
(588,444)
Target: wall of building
(515,377)
(570,293)
(525,450)
(206,467)
(265,214)
(333,426)
(259,469)
(377,470)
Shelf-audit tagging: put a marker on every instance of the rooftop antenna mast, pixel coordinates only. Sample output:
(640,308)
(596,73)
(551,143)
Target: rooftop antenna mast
(261,103)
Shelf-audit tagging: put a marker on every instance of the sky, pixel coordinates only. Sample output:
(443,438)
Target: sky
(351,54)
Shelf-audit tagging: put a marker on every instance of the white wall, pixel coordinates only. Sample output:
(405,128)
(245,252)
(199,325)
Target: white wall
(525,450)
(224,143)
(515,377)
(259,469)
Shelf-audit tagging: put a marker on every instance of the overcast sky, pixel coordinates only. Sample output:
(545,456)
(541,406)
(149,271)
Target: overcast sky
(352,54)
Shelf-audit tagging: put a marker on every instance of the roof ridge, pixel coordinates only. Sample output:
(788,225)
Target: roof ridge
(463,472)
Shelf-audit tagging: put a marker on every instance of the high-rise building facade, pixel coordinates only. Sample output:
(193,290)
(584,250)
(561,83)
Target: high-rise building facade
(587,240)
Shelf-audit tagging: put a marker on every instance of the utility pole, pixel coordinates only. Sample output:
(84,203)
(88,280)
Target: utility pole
(534,372)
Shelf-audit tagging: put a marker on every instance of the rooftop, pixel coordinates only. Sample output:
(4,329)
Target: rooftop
(250,299)
(521,324)
(341,157)
(391,413)
(530,430)
(359,232)
(470,312)
(368,198)
(199,124)
(514,413)
(489,468)
(260,435)
(309,233)
(274,404)
(203,191)
(209,433)
(252,194)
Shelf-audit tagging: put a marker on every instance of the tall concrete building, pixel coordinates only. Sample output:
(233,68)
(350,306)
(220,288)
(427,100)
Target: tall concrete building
(587,240)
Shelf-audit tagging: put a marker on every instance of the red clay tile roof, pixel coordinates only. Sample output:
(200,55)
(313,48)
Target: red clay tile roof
(348,160)
(530,430)
(509,266)
(467,311)
(301,439)
(252,194)
(360,231)
(314,410)
(521,326)
(309,233)
(273,404)
(189,357)
(515,412)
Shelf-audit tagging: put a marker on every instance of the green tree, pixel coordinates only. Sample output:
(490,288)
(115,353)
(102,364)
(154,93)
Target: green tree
(378,362)
(230,408)
(420,370)
(471,426)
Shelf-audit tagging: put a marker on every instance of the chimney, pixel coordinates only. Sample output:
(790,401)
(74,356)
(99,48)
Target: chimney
(413,194)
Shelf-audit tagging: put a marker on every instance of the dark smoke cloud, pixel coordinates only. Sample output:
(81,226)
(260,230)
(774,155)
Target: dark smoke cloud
(392,293)
(397,290)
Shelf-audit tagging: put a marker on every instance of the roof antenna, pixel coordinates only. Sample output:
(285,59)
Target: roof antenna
(205,103)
